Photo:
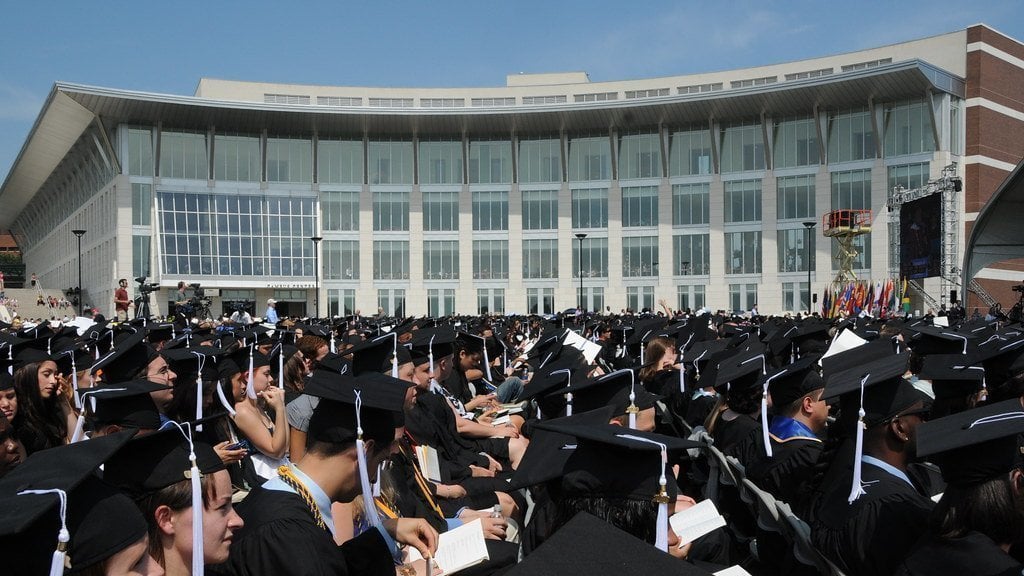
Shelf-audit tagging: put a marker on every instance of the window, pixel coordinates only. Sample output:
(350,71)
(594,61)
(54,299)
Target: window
(490,162)
(559,99)
(793,252)
(141,247)
(743,252)
(691,254)
(742,201)
(540,160)
(651,93)
(540,209)
(850,136)
(490,210)
(540,258)
(442,102)
(590,208)
(794,296)
(236,158)
(640,298)
(493,101)
(390,211)
(289,160)
(868,64)
(956,144)
(742,147)
(490,301)
(700,88)
(392,301)
(908,128)
(341,260)
(796,143)
(490,259)
(690,297)
(639,256)
(440,302)
(742,297)
(639,156)
(339,161)
(909,176)
(595,258)
(540,300)
(690,204)
(440,211)
(590,159)
(140,152)
(747,83)
(389,162)
(339,101)
(184,155)
(142,204)
(639,206)
(285,99)
(689,153)
(440,260)
(391,102)
(440,162)
(795,196)
(390,260)
(596,97)
(341,302)
(593,298)
(852,190)
(340,211)
(810,74)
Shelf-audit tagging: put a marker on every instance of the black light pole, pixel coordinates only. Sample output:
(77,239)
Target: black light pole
(581,236)
(316,273)
(809,226)
(78,234)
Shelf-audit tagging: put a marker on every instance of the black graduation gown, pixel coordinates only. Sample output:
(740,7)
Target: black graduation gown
(729,433)
(974,554)
(431,421)
(787,473)
(872,535)
(280,537)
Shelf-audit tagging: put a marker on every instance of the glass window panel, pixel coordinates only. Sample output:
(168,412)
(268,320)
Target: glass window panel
(639,156)
(590,159)
(140,152)
(339,161)
(289,160)
(690,153)
(340,210)
(690,204)
(440,211)
(692,254)
(390,211)
(795,197)
(742,147)
(795,143)
(908,128)
(390,162)
(850,136)
(590,208)
(742,201)
(639,206)
(440,162)
(441,260)
(236,158)
(490,259)
(490,210)
(793,249)
(540,209)
(390,260)
(743,252)
(540,160)
(340,260)
(595,258)
(540,258)
(184,155)
(639,256)
(490,162)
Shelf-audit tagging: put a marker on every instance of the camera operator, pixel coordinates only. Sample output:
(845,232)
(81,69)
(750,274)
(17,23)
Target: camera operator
(240,316)
(121,300)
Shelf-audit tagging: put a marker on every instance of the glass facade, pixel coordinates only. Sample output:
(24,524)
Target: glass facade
(850,136)
(595,258)
(690,204)
(289,160)
(390,211)
(639,206)
(440,260)
(794,296)
(795,197)
(909,176)
(490,210)
(690,297)
(540,209)
(389,162)
(340,210)
(440,211)
(440,162)
(691,254)
(639,298)
(142,204)
(742,147)
(908,128)
(540,258)
(340,260)
(390,260)
(639,256)
(236,158)
(590,208)
(742,201)
(742,297)
(339,161)
(490,162)
(184,155)
(743,252)
(540,160)
(140,152)
(440,302)
(795,143)
(490,259)
(490,301)
(639,156)
(540,300)
(690,153)
(590,159)
(793,251)
(851,190)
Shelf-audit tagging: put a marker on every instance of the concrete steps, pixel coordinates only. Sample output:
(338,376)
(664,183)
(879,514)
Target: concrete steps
(27,307)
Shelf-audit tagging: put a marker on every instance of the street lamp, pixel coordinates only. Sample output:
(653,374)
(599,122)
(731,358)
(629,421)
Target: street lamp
(809,226)
(316,273)
(580,236)
(78,234)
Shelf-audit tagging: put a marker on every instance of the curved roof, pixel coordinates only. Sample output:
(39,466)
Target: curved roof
(996,235)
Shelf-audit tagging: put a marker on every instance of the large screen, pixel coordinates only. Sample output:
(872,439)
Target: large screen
(921,237)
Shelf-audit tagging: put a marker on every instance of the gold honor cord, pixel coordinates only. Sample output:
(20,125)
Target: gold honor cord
(289,478)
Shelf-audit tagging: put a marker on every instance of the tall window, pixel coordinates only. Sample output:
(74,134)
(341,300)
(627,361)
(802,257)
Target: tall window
(339,161)
(391,301)
(909,176)
(490,162)
(690,204)
(340,210)
(639,256)
(341,260)
(236,158)
(640,297)
(184,155)
(794,251)
(590,208)
(490,259)
(440,162)
(440,211)
(690,153)
(639,156)
(390,211)
(540,258)
(852,190)
(142,204)
(796,143)
(640,206)
(795,196)
(743,201)
(140,152)
(540,209)
(289,160)
(440,302)
(141,247)
(540,160)
(691,254)
(490,301)
(593,298)
(742,297)
(490,210)
(595,258)
(794,296)
(908,128)
(850,136)
(590,159)
(742,147)
(389,162)
(540,300)
(390,260)
(440,260)
(690,297)
(341,302)
(743,252)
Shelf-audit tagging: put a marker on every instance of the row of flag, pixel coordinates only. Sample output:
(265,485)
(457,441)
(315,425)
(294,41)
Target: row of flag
(881,298)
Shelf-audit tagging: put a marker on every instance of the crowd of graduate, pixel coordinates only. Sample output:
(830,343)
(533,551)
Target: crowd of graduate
(349,445)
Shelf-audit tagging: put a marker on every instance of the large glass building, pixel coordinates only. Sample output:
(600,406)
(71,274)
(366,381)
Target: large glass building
(692,190)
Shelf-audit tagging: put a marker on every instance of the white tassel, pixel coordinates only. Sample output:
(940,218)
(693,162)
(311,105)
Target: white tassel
(568,404)
(487,363)
(197,514)
(63,536)
(661,530)
(74,382)
(334,347)
(430,355)
(376,483)
(199,390)
(856,489)
(682,378)
(280,365)
(224,401)
(79,428)
(250,386)
(364,477)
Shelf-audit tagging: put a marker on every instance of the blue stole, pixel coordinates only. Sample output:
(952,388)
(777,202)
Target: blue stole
(784,428)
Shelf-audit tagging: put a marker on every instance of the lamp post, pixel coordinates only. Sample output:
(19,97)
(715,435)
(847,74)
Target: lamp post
(78,234)
(580,236)
(809,226)
(316,273)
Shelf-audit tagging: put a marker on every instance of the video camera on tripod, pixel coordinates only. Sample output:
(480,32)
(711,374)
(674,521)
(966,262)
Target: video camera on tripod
(146,287)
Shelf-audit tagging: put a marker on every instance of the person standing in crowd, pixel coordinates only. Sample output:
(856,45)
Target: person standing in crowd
(121,300)
(270,316)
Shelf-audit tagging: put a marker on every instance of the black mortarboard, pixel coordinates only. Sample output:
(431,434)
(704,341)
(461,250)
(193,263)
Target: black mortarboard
(742,370)
(158,460)
(613,389)
(953,375)
(127,404)
(811,336)
(938,340)
(793,381)
(126,360)
(976,445)
(854,357)
(548,451)
(426,341)
(1002,359)
(372,355)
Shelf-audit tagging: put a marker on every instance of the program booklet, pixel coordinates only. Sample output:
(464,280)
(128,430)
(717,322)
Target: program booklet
(458,549)
(696,521)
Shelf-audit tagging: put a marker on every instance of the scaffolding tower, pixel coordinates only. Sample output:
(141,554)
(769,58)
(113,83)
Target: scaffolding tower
(845,226)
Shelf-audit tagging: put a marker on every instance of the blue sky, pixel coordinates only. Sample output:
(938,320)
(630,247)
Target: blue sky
(169,46)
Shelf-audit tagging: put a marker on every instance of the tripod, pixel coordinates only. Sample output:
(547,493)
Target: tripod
(142,306)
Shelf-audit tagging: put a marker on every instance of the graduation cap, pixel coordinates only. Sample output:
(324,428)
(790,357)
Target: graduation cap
(741,370)
(937,340)
(1002,359)
(55,494)
(953,375)
(372,355)
(128,358)
(787,385)
(856,356)
(550,385)
(548,451)
(811,336)
(473,343)
(619,389)
(976,445)
(126,404)
(430,344)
